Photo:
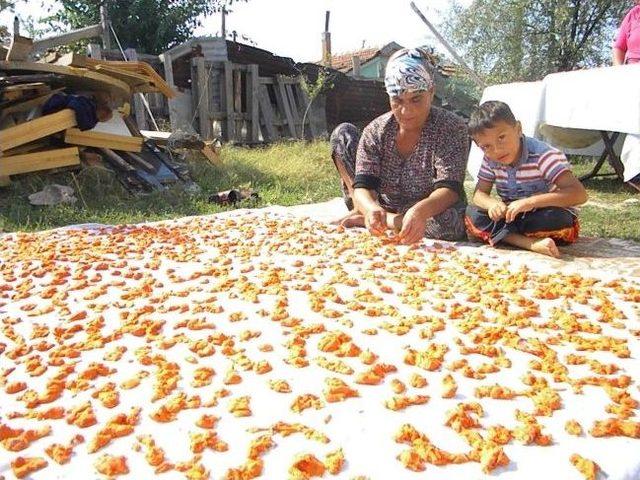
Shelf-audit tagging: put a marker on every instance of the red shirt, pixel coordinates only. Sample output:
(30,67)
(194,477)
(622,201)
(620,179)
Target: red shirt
(629,36)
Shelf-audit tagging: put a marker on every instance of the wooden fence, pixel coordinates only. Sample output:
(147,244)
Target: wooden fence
(234,102)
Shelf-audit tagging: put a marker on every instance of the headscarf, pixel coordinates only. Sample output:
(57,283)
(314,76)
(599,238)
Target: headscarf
(408,70)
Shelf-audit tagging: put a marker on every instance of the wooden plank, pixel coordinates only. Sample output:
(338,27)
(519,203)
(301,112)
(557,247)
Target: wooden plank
(94,50)
(138,105)
(295,114)
(39,128)
(253,86)
(67,38)
(74,77)
(201,81)
(283,105)
(237,102)
(305,104)
(228,101)
(266,112)
(89,138)
(31,162)
(28,104)
(20,48)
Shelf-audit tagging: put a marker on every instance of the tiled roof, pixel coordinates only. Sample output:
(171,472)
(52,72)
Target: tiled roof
(344,62)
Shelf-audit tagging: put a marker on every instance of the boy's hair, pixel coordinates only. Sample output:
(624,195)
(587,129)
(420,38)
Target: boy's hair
(488,114)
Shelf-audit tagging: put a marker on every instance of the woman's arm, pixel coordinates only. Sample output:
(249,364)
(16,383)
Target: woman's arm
(620,45)
(618,56)
(375,217)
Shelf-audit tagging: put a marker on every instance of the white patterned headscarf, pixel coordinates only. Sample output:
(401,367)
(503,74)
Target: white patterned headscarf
(408,70)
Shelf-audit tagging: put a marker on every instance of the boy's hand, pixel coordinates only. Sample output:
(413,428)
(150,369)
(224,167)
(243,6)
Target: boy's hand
(519,206)
(413,226)
(497,211)
(376,220)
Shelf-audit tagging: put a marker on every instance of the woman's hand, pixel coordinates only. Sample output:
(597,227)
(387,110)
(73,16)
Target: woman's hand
(375,220)
(497,211)
(414,224)
(519,206)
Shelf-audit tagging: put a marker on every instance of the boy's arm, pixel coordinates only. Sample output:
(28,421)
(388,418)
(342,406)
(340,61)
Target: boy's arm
(569,192)
(482,195)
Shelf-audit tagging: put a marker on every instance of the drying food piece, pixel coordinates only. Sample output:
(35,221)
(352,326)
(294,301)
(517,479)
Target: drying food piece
(588,468)
(306,466)
(62,453)
(25,466)
(572,427)
(614,427)
(334,462)
(18,440)
(449,387)
(207,439)
(240,407)
(280,386)
(82,416)
(207,421)
(338,391)
(119,426)
(111,465)
(431,359)
(302,402)
(418,381)
(400,402)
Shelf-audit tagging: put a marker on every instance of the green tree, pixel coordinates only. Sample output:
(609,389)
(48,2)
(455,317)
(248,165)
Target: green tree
(151,26)
(509,40)
(4,29)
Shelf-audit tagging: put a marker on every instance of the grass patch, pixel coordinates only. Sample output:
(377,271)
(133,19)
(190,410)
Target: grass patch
(283,174)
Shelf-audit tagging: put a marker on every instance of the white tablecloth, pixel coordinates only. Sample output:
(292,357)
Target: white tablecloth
(605,99)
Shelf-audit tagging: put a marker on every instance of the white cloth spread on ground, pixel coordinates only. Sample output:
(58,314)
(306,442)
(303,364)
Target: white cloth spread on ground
(115,302)
(602,99)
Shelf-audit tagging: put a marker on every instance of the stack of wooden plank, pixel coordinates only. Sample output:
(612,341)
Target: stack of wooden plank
(30,141)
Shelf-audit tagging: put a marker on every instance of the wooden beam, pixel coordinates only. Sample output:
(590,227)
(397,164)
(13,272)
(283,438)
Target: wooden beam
(201,81)
(138,104)
(253,91)
(266,112)
(283,105)
(39,128)
(20,48)
(228,100)
(89,138)
(31,162)
(66,38)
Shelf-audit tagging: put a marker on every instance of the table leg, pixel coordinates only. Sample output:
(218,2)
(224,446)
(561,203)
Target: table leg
(608,154)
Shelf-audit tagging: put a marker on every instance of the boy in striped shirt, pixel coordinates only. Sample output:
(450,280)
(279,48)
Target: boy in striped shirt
(535,186)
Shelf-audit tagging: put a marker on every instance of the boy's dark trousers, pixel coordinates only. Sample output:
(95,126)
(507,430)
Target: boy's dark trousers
(560,224)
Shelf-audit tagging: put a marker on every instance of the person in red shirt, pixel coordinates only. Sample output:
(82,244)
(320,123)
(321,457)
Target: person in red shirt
(626,48)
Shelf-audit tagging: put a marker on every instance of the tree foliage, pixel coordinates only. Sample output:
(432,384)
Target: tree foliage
(508,40)
(151,26)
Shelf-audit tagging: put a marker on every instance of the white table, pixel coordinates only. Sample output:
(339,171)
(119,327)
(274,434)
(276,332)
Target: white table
(605,100)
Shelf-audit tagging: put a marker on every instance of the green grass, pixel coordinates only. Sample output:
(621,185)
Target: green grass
(283,174)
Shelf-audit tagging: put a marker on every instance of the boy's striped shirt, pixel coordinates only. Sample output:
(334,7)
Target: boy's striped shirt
(533,173)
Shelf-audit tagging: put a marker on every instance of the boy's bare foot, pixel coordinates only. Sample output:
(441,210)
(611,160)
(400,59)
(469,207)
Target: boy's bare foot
(350,220)
(545,246)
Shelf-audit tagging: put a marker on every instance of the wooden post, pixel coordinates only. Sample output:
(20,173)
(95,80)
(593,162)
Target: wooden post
(295,113)
(104,22)
(138,105)
(479,81)
(94,51)
(228,101)
(355,60)
(237,102)
(283,105)
(224,23)
(253,86)
(266,112)
(201,81)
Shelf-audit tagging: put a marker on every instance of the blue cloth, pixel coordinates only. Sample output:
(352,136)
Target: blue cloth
(408,70)
(84,108)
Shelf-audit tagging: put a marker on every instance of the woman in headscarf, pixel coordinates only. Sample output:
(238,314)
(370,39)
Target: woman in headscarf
(626,48)
(406,171)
